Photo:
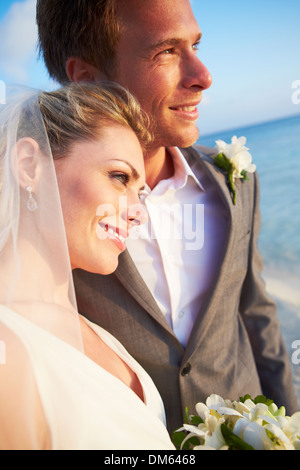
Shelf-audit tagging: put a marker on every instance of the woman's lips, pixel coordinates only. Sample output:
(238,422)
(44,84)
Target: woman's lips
(105,231)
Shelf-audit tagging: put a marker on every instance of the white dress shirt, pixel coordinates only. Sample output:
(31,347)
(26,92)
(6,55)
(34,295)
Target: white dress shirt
(177,251)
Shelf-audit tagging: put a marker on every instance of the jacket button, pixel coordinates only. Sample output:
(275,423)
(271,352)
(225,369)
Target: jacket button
(186,370)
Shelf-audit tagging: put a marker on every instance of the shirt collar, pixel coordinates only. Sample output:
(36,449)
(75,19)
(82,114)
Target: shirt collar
(182,169)
(182,172)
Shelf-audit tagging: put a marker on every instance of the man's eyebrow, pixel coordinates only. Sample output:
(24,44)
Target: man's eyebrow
(169,42)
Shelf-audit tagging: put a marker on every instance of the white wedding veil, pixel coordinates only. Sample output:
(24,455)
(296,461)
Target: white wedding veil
(37,299)
(41,342)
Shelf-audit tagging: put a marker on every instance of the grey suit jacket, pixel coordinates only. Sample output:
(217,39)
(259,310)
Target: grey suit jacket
(235,346)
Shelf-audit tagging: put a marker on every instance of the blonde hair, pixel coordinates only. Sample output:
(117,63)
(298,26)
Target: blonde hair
(78,112)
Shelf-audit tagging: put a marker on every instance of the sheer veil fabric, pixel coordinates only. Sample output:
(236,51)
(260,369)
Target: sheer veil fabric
(36,285)
(53,395)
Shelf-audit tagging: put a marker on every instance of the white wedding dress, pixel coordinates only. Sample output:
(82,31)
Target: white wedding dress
(86,407)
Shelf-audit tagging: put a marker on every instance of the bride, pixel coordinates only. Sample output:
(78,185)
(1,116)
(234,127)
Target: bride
(71,169)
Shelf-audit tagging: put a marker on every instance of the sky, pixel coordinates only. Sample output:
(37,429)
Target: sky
(252,49)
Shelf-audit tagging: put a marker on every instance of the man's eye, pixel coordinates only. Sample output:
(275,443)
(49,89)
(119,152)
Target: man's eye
(166,52)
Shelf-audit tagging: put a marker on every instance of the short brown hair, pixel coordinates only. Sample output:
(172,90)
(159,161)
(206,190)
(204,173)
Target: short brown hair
(88,29)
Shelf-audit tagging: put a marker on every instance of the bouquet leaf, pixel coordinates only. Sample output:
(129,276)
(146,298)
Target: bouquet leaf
(258,399)
(234,442)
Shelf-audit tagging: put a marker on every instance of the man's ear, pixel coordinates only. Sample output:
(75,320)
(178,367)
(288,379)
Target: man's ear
(27,163)
(78,70)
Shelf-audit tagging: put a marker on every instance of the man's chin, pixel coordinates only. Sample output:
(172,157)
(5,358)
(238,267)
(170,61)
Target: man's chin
(183,139)
(186,139)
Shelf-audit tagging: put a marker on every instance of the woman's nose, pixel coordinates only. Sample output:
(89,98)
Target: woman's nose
(137,214)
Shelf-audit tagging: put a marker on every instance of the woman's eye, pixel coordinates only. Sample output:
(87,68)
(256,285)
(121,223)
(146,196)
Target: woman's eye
(122,177)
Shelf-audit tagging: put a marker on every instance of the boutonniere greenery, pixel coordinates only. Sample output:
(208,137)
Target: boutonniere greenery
(235,160)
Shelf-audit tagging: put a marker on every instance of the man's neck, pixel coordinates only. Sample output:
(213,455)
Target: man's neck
(158,166)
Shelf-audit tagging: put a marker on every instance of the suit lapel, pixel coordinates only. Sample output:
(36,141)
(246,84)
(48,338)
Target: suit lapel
(214,295)
(131,279)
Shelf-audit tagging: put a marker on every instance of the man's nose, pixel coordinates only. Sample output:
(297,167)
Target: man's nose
(196,75)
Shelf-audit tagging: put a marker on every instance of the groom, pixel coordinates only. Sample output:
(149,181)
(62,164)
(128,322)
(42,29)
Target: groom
(187,300)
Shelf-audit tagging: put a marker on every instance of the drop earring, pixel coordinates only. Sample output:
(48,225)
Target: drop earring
(31,202)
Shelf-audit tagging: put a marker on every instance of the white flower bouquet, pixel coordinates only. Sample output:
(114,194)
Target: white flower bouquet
(248,424)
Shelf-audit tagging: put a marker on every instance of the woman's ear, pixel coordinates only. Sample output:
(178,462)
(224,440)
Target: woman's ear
(27,162)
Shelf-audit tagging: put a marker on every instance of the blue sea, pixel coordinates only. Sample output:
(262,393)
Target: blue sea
(275,149)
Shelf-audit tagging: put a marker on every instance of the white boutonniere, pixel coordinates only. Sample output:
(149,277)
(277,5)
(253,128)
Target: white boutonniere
(235,159)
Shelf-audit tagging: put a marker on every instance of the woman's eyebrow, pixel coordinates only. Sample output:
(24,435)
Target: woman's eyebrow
(134,173)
